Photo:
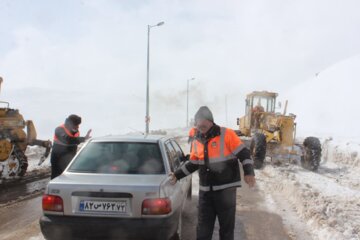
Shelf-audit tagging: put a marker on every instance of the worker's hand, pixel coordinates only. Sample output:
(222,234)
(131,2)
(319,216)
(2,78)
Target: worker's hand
(88,134)
(172,178)
(250,180)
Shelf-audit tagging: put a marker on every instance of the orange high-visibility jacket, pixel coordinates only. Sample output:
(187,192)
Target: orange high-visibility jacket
(192,132)
(216,158)
(63,136)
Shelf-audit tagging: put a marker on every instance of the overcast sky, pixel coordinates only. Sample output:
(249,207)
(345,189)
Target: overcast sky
(89,57)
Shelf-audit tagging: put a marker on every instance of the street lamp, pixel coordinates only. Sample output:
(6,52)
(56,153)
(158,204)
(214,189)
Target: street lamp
(147,117)
(187,101)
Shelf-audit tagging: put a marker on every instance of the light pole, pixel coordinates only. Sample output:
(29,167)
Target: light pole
(187,102)
(147,117)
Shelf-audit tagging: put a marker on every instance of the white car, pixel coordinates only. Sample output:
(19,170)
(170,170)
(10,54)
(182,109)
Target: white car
(117,187)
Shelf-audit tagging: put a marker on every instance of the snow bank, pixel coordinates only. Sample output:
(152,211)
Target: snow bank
(342,152)
(327,200)
(34,154)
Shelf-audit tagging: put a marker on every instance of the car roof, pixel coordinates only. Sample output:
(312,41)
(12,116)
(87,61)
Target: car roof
(148,138)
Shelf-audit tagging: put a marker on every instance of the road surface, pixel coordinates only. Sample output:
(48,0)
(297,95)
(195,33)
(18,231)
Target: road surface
(20,220)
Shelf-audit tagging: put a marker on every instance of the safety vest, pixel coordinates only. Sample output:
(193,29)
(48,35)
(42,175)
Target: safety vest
(220,148)
(192,132)
(56,139)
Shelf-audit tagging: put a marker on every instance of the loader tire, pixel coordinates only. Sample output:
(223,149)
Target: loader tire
(23,162)
(16,165)
(312,153)
(258,149)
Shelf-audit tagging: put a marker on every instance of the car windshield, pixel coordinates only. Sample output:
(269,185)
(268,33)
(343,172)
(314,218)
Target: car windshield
(119,158)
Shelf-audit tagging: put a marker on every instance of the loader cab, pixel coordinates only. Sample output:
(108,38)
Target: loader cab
(256,103)
(261,101)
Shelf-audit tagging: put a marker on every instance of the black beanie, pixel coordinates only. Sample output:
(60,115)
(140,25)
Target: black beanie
(204,113)
(73,119)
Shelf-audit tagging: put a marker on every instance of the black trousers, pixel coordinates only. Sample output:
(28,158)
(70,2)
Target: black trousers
(220,204)
(60,158)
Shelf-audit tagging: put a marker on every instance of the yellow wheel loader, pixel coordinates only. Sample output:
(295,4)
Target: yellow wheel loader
(272,134)
(14,141)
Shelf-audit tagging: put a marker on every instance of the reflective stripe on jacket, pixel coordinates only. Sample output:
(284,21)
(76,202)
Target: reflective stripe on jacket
(69,134)
(220,148)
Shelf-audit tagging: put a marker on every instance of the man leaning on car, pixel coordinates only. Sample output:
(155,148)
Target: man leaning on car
(66,141)
(215,152)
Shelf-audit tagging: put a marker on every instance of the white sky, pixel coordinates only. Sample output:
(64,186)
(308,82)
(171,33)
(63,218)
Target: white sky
(89,57)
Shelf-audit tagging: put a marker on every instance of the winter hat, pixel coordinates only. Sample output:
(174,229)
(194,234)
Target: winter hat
(204,113)
(73,119)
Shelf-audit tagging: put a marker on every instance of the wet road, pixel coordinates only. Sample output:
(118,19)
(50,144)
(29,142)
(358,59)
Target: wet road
(32,184)
(20,220)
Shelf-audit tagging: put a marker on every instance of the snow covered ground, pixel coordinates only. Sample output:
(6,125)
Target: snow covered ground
(327,201)
(34,154)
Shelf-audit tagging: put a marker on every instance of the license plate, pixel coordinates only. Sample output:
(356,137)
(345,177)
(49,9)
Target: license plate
(102,206)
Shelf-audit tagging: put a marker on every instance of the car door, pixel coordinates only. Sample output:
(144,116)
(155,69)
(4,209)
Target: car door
(174,164)
(179,161)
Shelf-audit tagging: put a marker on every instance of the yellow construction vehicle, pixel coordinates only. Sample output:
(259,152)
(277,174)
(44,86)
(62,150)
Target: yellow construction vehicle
(273,134)
(14,141)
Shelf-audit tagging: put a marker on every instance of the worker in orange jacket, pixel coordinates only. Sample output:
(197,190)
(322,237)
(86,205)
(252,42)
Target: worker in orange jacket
(66,141)
(215,153)
(192,134)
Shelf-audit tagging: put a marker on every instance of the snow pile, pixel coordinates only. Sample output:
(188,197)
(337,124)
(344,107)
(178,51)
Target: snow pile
(328,200)
(342,152)
(328,215)
(34,154)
